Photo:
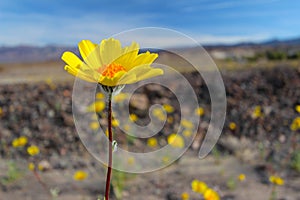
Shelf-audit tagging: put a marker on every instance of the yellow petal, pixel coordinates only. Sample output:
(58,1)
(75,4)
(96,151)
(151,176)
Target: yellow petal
(128,78)
(140,73)
(144,59)
(77,73)
(151,73)
(110,50)
(85,48)
(93,60)
(71,59)
(128,56)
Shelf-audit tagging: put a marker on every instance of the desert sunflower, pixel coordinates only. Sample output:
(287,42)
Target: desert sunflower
(109,64)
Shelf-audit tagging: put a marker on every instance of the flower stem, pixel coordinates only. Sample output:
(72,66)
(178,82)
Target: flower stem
(38,178)
(109,166)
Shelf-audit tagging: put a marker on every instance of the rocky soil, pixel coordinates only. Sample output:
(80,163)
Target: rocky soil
(257,147)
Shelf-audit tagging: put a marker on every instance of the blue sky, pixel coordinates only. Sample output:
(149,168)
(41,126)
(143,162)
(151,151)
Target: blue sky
(66,22)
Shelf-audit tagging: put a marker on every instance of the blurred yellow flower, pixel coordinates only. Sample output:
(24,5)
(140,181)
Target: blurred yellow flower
(80,175)
(120,97)
(168,108)
(1,111)
(133,117)
(130,160)
(175,140)
(126,127)
(159,114)
(187,133)
(115,122)
(166,159)
(170,119)
(242,177)
(276,180)
(185,196)
(199,186)
(31,166)
(40,167)
(100,95)
(98,106)
(297,108)
(256,112)
(94,125)
(20,142)
(199,111)
(210,194)
(232,126)
(152,142)
(33,150)
(187,124)
(109,64)
(295,124)
(50,83)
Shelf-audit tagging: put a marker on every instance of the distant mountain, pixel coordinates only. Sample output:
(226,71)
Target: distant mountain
(275,42)
(19,54)
(32,54)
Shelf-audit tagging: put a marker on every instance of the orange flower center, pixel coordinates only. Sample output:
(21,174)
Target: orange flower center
(111,69)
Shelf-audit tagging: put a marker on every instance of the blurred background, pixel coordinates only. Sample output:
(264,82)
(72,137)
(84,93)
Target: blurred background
(256,46)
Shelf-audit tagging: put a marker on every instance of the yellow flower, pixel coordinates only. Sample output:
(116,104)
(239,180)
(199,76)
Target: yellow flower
(295,124)
(166,159)
(170,119)
(133,117)
(126,127)
(94,125)
(15,143)
(1,112)
(97,106)
(168,108)
(33,150)
(159,114)
(40,167)
(106,132)
(130,160)
(100,95)
(20,142)
(297,108)
(199,111)
(187,133)
(109,64)
(175,140)
(80,175)
(242,177)
(187,124)
(232,126)
(256,112)
(210,194)
(120,97)
(276,180)
(185,196)
(152,142)
(31,166)
(115,122)
(50,83)
(199,186)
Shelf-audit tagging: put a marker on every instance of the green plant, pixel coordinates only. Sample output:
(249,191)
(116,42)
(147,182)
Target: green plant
(231,183)
(216,154)
(295,161)
(13,173)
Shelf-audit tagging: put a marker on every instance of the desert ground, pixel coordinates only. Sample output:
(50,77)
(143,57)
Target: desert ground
(35,101)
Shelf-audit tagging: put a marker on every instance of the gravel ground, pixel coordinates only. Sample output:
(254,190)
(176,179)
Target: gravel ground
(42,111)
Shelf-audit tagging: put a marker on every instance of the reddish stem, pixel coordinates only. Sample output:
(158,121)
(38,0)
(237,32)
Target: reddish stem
(38,178)
(109,167)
